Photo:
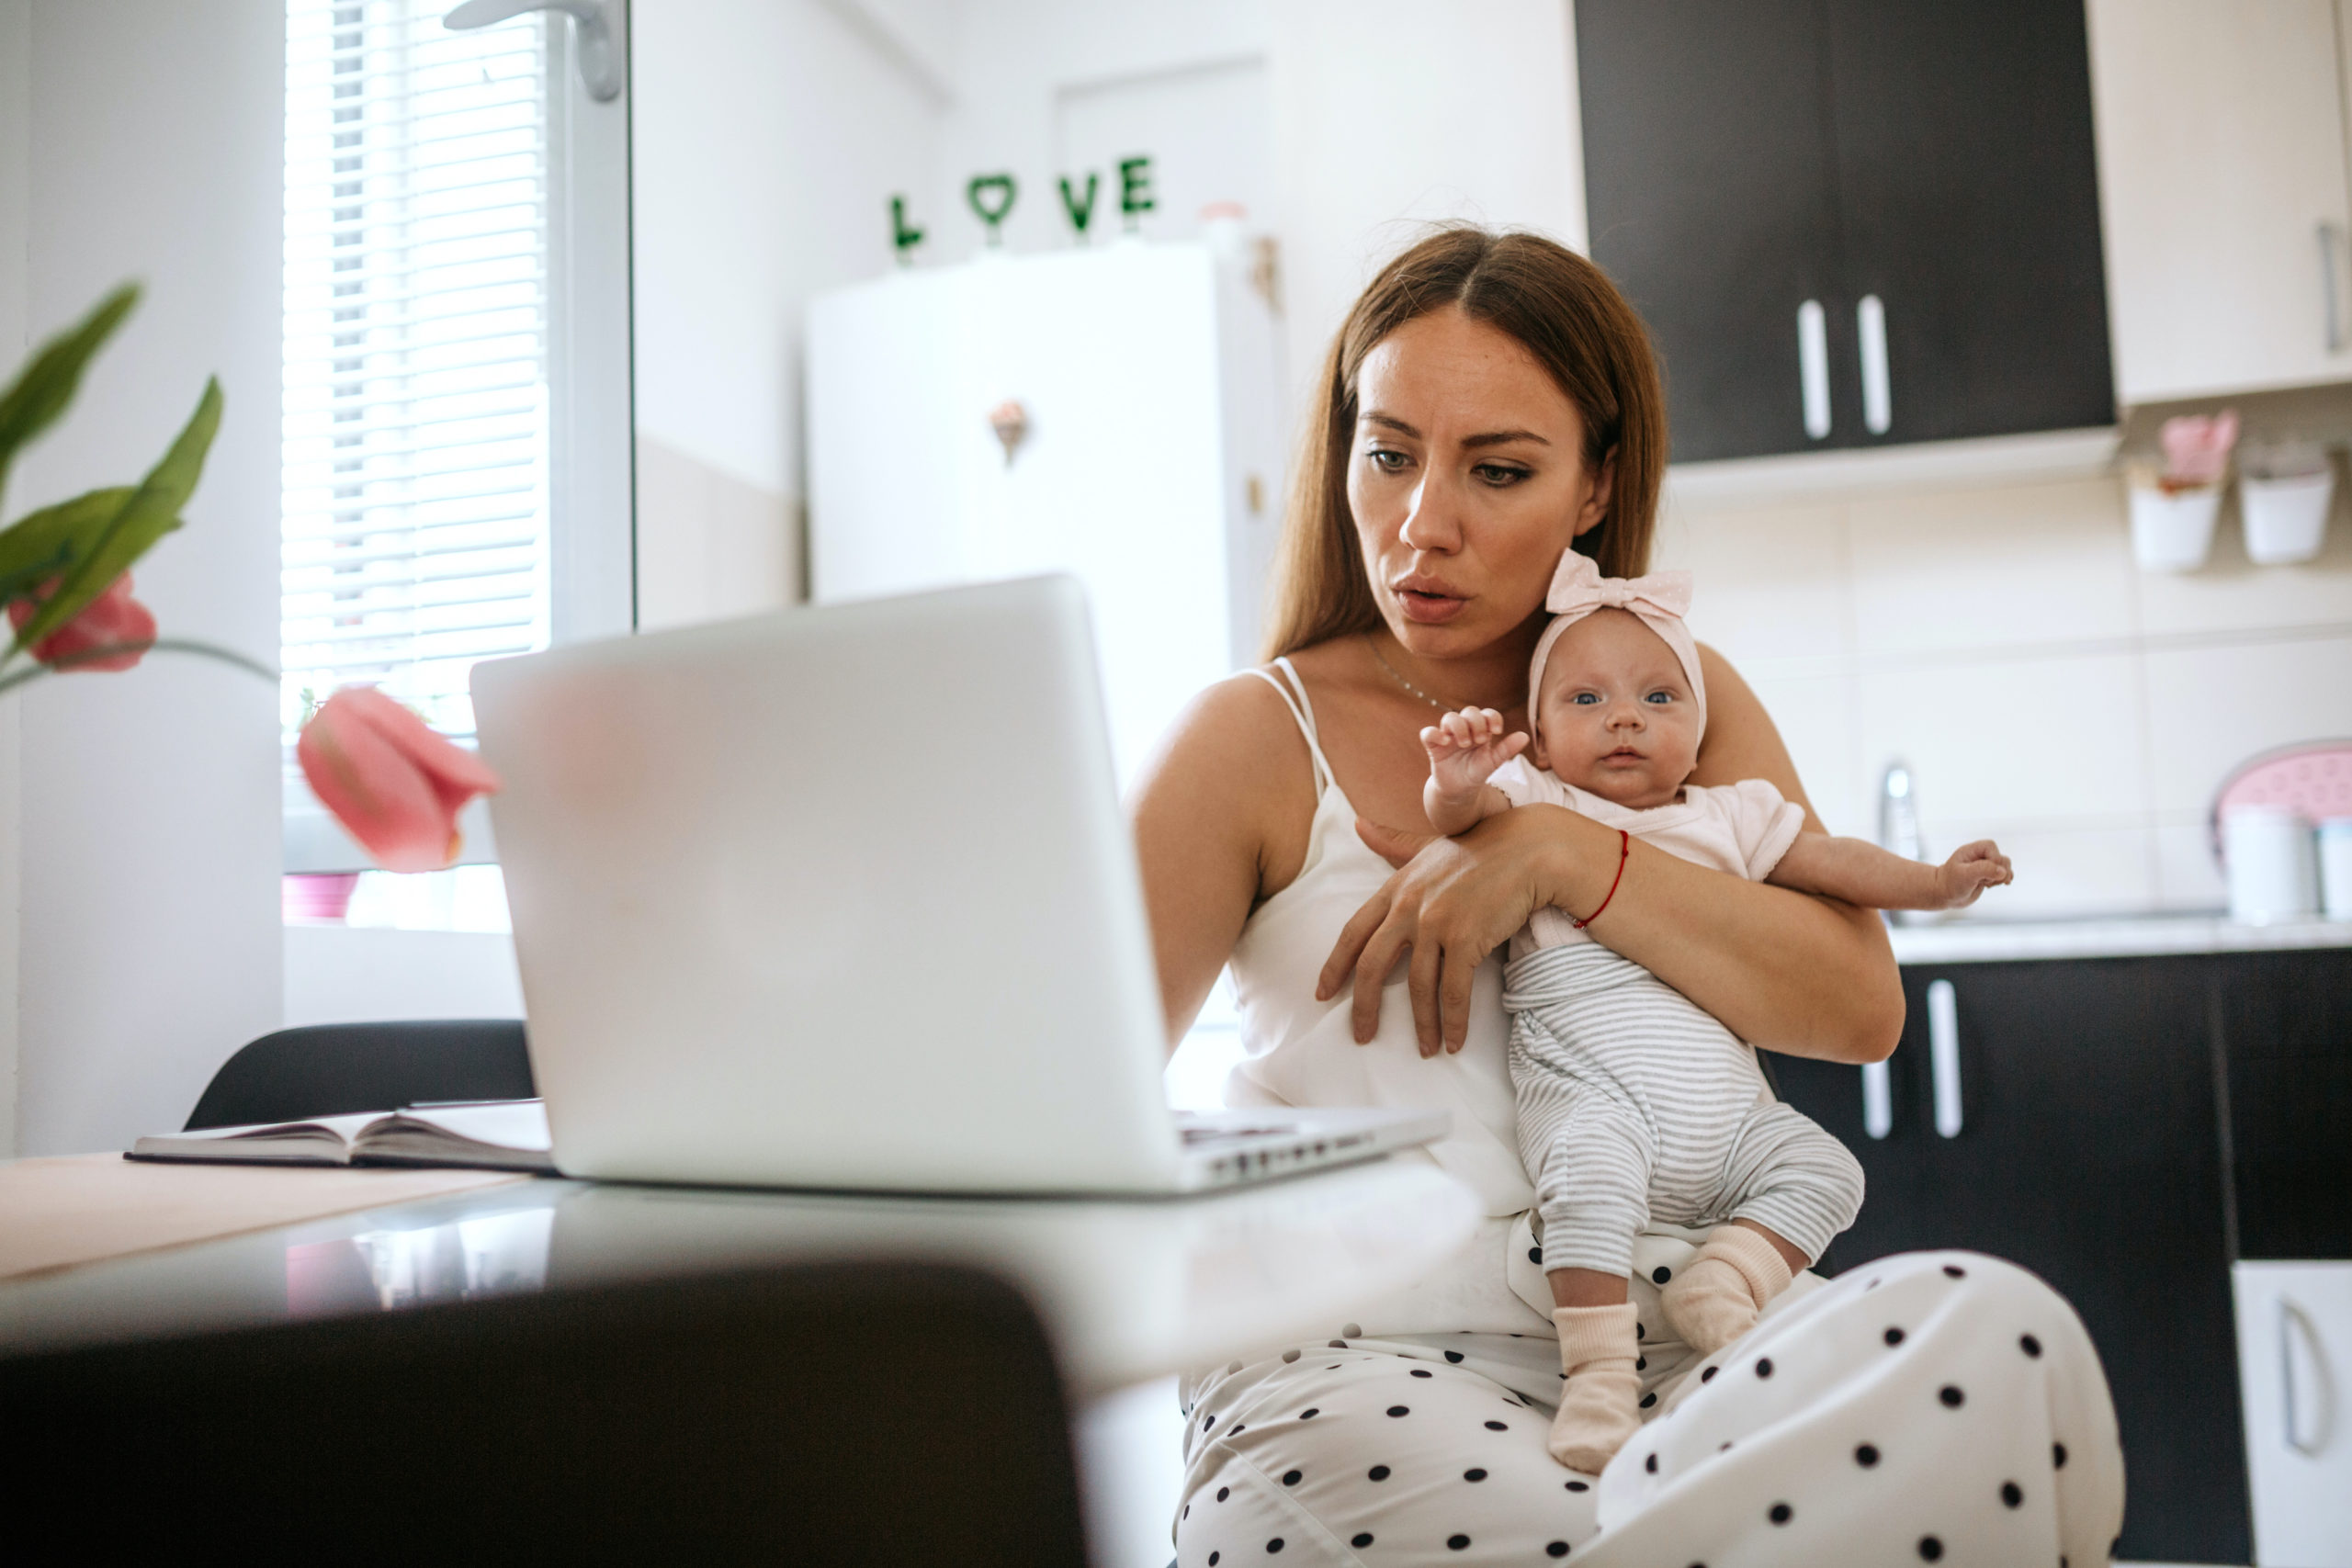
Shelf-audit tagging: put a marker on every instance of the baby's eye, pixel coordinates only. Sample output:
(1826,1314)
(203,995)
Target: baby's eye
(1660,698)
(1584,699)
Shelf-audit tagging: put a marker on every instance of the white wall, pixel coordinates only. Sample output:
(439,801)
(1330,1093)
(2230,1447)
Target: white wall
(1389,114)
(2046,691)
(154,143)
(766,138)
(1013,61)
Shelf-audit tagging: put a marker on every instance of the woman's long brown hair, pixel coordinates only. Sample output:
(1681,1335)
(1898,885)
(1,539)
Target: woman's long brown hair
(1569,316)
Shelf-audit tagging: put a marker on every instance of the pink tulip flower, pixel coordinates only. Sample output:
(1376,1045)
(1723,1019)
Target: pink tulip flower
(2197,448)
(390,779)
(111,620)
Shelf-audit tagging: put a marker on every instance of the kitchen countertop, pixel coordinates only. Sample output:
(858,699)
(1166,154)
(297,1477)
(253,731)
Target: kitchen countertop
(2140,936)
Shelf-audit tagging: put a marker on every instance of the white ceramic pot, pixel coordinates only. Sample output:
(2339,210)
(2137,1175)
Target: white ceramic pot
(2273,873)
(2285,518)
(2173,531)
(2335,868)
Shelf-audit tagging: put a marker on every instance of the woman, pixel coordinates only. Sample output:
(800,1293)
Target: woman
(1490,401)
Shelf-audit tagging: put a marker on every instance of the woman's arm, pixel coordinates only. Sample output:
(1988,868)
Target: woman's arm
(1221,816)
(1784,970)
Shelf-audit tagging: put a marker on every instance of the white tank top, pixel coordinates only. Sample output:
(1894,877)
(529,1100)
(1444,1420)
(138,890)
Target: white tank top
(1301,1050)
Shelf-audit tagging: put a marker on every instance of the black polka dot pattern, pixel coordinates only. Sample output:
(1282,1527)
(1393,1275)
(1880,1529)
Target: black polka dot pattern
(1649,1400)
(1893,1338)
(1578,1486)
(1955,1270)
(2057,1456)
(2012,1495)
(1867,1455)
(1423,1372)
(1457,1543)
(1293,1477)
(1474,1474)
(1455,1355)
(2030,1345)
(1361,1539)
(1310,1413)
(1400,1410)
(1764,1367)
(1557,1549)
(1781,1514)
(1952,1396)
(1223,1493)
(1274,1545)
(1709,1375)
(1930,1549)
(1377,1472)
(1498,1426)
(1661,1274)
(1536,1255)
(1650,1464)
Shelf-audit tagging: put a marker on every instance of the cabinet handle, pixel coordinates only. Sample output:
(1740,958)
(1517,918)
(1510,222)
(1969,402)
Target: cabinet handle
(1813,367)
(1943,1054)
(2329,270)
(1878,389)
(1878,1101)
(2290,1319)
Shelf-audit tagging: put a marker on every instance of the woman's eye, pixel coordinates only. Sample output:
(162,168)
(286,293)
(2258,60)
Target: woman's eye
(1498,475)
(1387,460)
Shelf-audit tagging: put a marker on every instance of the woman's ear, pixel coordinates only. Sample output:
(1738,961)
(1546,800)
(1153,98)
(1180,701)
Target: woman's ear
(1595,511)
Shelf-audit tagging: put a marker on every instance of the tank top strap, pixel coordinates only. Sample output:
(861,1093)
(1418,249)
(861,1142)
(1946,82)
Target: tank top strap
(1292,692)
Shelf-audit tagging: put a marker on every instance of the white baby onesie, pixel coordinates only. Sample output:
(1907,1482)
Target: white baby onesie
(1635,1103)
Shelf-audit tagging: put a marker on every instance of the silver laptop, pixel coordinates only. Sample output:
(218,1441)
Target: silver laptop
(845,899)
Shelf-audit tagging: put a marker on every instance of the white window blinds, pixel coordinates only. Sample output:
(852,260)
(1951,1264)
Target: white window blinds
(415,505)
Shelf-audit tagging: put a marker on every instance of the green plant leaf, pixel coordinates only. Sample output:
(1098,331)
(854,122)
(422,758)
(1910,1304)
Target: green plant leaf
(153,510)
(46,386)
(41,544)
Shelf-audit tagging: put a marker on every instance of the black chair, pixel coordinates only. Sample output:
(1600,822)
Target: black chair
(331,1069)
(831,1414)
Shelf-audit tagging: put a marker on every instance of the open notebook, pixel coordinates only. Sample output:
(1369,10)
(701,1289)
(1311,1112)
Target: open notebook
(508,1134)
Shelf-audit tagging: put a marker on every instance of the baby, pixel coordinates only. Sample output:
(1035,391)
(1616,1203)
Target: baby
(1634,1103)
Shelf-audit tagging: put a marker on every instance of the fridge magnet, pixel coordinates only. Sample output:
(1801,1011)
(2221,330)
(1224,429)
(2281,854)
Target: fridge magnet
(1010,423)
(1135,189)
(903,237)
(1082,211)
(991,197)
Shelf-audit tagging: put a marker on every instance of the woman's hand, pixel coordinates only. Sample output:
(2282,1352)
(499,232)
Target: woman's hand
(1452,902)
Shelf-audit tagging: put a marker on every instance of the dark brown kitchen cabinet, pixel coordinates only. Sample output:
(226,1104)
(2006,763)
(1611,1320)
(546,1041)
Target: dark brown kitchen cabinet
(1915,177)
(2090,1150)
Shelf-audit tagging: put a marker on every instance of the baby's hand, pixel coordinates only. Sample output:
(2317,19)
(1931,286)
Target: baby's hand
(1465,748)
(1972,869)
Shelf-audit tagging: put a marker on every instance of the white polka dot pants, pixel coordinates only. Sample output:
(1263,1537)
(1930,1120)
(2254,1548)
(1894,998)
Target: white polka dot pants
(1936,1408)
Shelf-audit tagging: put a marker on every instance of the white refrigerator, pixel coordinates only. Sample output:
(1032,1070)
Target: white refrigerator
(1114,413)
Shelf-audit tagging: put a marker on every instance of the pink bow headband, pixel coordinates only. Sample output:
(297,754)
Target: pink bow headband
(1661,600)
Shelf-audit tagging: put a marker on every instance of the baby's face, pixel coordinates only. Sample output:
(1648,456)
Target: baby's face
(1615,714)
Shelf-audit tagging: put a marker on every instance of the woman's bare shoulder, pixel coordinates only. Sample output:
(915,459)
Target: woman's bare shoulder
(1235,769)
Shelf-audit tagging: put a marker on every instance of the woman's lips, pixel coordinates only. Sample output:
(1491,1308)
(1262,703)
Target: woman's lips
(1427,603)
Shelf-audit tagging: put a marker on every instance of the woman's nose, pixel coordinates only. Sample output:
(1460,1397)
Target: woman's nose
(1429,521)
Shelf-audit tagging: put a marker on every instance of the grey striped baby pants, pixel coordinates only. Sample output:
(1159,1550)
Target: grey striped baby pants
(1634,1103)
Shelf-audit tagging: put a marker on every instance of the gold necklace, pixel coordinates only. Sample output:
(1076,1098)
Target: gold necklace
(1399,679)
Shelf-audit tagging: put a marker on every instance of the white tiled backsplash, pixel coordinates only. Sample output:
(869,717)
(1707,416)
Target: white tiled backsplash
(2045,691)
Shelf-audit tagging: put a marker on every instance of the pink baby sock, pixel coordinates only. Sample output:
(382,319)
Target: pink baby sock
(1714,1298)
(1597,1404)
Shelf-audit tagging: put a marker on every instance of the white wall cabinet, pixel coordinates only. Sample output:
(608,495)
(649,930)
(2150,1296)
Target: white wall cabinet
(2294,1360)
(2221,146)
(1149,467)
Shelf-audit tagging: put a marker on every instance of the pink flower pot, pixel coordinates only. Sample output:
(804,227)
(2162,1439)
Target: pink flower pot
(317,899)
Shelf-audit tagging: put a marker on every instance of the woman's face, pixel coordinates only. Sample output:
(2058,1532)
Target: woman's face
(1467,482)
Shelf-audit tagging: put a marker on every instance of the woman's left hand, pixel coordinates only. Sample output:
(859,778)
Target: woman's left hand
(1452,902)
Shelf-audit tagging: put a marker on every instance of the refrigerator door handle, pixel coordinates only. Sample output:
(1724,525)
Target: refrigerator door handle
(2294,1321)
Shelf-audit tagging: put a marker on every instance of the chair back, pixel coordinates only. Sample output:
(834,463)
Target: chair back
(332,1069)
(835,1414)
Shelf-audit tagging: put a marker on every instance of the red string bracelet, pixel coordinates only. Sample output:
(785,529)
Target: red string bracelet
(1625,848)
